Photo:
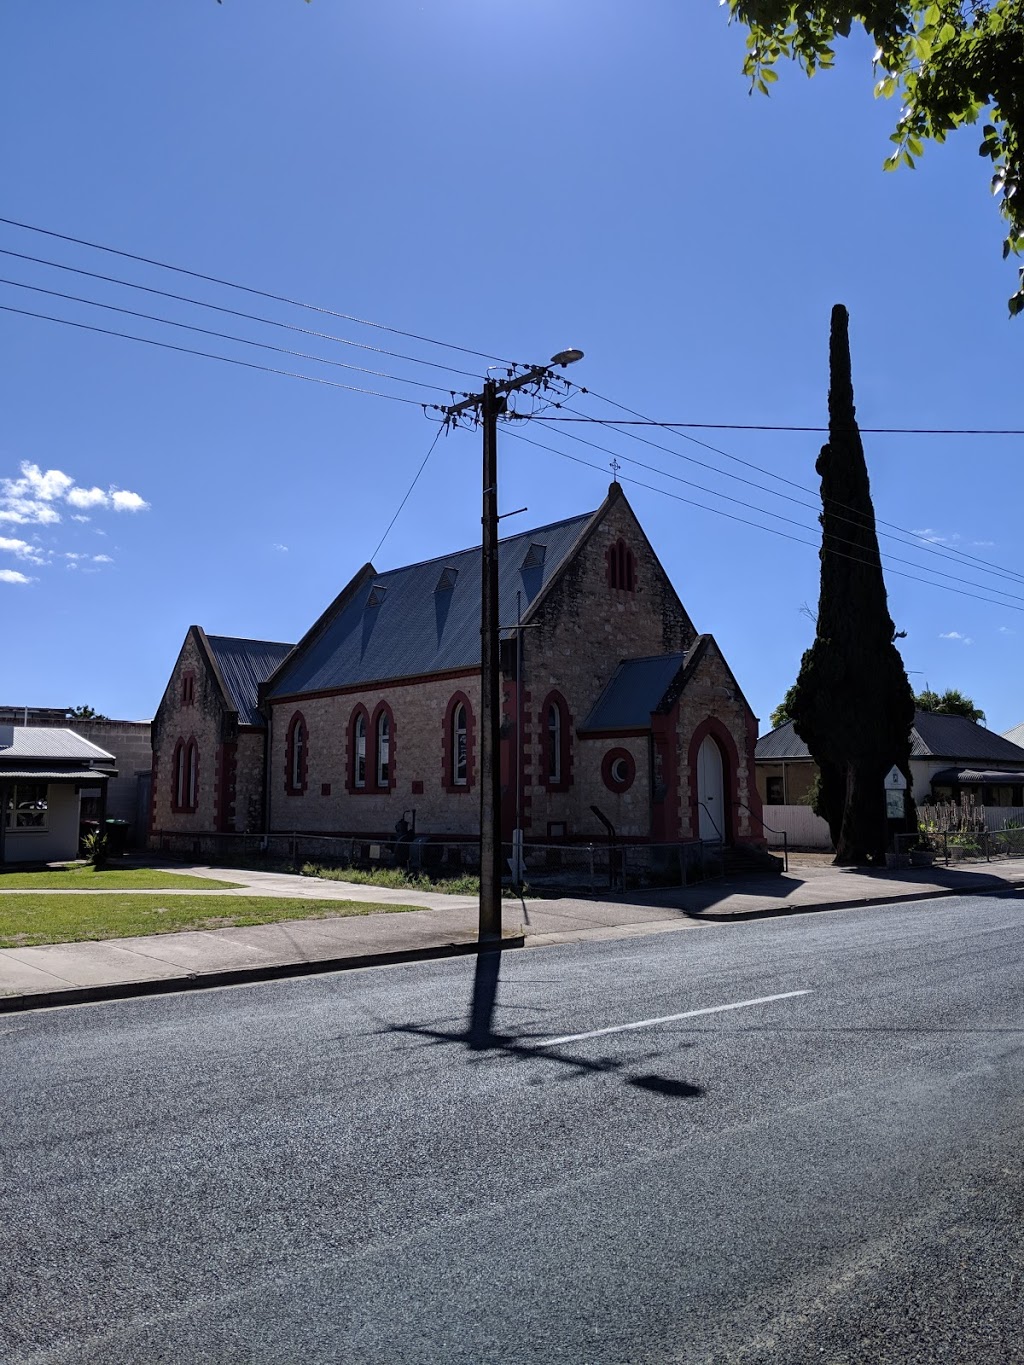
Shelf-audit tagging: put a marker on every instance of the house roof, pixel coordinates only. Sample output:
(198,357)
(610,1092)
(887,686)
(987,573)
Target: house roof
(68,774)
(932,736)
(634,690)
(990,776)
(244,664)
(1016,735)
(23,744)
(423,618)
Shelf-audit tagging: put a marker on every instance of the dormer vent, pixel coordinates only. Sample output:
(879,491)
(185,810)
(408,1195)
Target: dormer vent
(534,556)
(377,595)
(447,580)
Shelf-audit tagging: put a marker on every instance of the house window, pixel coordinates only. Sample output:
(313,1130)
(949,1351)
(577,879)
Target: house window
(179,775)
(296,755)
(185,773)
(383,749)
(555,736)
(774,791)
(359,750)
(192,764)
(188,689)
(621,567)
(27,806)
(618,770)
(460,746)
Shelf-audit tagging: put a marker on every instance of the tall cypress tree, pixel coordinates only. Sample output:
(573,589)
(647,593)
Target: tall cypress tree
(853,706)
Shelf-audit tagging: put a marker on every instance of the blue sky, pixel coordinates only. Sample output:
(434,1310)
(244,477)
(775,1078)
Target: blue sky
(512,179)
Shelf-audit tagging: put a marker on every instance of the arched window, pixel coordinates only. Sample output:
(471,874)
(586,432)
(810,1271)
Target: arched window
(359,750)
(556,740)
(296,755)
(621,567)
(460,746)
(180,780)
(553,746)
(192,789)
(383,754)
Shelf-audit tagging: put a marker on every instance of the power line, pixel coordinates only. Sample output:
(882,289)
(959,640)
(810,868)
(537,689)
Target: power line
(408,491)
(949,552)
(209,355)
(773,426)
(859,523)
(771,530)
(222,336)
(235,312)
(249,289)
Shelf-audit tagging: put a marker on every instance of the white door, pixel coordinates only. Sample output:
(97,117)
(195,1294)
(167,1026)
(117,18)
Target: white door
(710,790)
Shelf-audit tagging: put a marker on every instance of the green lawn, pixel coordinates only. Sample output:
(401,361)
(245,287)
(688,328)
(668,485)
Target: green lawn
(86,878)
(26,921)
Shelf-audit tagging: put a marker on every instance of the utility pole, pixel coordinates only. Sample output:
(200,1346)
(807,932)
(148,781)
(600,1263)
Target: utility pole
(491,404)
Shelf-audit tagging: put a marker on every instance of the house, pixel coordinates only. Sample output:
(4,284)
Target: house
(129,741)
(949,756)
(42,774)
(1016,735)
(610,699)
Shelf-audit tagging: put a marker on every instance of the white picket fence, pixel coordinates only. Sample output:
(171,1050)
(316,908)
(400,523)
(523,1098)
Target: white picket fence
(803,829)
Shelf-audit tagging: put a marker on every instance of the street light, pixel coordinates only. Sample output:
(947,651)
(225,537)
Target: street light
(491,404)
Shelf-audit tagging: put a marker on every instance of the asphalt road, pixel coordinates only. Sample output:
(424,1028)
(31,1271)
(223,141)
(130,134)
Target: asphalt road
(400,1165)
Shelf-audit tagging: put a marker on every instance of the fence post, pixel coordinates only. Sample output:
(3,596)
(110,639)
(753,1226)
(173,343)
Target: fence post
(593,886)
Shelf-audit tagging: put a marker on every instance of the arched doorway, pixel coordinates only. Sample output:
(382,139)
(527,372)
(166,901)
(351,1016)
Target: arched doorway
(710,791)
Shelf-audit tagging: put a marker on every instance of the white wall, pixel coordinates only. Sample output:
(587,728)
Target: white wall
(803,828)
(60,838)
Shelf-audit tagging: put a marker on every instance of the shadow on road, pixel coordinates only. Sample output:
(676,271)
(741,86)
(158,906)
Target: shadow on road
(479,1035)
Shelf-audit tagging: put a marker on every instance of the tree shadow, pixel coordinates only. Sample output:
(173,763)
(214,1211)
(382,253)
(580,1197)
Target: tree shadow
(480,1036)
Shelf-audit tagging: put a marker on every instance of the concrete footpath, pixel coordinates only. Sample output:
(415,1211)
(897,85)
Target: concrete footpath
(76,973)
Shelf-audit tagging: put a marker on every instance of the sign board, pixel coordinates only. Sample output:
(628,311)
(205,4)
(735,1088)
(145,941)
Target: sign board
(895,781)
(894,804)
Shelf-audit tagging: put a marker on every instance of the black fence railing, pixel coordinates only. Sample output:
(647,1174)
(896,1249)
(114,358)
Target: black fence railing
(553,868)
(950,846)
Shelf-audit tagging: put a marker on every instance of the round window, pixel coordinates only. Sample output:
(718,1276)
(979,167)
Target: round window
(618,770)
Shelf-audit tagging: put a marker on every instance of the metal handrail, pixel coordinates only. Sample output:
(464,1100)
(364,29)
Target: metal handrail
(713,821)
(771,830)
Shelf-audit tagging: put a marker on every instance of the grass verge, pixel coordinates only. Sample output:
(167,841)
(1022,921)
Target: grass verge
(86,878)
(399,879)
(28,921)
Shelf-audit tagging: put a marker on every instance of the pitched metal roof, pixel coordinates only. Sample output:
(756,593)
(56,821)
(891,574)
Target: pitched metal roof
(69,774)
(414,628)
(1016,735)
(20,744)
(244,664)
(933,736)
(990,776)
(633,692)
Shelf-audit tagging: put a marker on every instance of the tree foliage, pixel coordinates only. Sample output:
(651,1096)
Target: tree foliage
(83,713)
(950,63)
(952,702)
(784,711)
(852,706)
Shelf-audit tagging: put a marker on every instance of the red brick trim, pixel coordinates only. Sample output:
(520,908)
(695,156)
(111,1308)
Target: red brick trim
(350,752)
(377,685)
(608,764)
(297,728)
(566,746)
(382,709)
(712,726)
(448,750)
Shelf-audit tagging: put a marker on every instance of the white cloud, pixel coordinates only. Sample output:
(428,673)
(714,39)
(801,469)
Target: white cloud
(124,501)
(76,517)
(955,635)
(71,554)
(102,559)
(34,483)
(282,548)
(13,576)
(22,549)
(87,497)
(1007,630)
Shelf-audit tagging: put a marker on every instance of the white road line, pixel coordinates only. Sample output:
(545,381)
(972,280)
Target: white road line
(667,1019)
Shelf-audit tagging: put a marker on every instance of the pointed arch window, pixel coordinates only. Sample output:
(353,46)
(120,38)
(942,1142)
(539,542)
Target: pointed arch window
(556,741)
(359,750)
(185,776)
(621,567)
(178,792)
(383,748)
(460,746)
(296,755)
(192,782)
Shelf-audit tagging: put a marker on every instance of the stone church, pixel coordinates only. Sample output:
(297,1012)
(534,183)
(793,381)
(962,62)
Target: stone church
(611,699)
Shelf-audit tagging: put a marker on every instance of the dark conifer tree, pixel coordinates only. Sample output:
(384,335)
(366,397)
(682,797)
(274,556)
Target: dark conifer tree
(853,706)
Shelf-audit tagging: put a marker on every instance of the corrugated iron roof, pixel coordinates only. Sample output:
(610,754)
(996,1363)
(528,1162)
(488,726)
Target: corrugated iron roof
(244,664)
(997,776)
(416,629)
(1016,735)
(56,774)
(933,736)
(633,692)
(27,743)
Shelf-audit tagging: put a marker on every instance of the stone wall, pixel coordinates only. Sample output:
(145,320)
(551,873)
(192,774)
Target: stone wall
(418,780)
(205,721)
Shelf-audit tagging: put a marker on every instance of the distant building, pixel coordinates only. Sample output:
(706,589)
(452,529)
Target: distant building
(610,698)
(43,771)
